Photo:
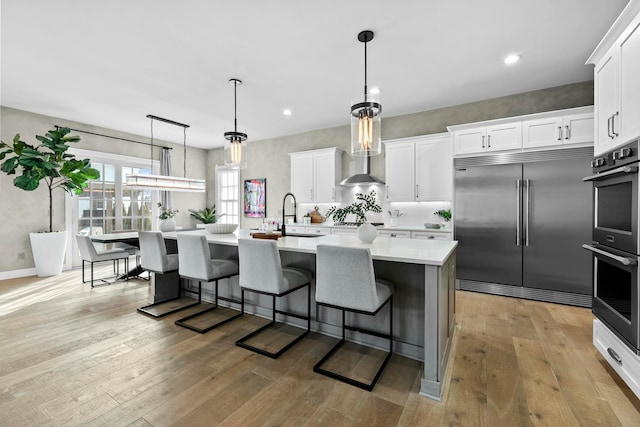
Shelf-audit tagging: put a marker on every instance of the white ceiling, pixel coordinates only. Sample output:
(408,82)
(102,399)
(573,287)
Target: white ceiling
(110,63)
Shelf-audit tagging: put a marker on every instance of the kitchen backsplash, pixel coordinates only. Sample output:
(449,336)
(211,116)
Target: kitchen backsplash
(413,213)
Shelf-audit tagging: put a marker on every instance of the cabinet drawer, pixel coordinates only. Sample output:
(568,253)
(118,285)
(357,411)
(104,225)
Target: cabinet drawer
(430,236)
(344,231)
(390,233)
(296,229)
(623,360)
(318,230)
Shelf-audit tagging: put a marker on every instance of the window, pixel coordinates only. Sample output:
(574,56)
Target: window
(228,195)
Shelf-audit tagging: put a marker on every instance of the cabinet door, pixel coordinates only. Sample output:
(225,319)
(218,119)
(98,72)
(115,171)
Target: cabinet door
(302,177)
(628,124)
(434,169)
(469,141)
(400,172)
(605,88)
(324,171)
(504,137)
(578,129)
(542,132)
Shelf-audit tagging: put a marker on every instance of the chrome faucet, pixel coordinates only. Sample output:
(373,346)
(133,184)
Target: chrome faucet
(295,212)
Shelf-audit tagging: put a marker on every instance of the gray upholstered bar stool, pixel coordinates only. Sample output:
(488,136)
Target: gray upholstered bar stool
(195,263)
(345,280)
(261,271)
(154,258)
(90,254)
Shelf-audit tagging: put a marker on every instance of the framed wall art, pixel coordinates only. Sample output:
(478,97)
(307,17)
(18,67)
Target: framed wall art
(255,198)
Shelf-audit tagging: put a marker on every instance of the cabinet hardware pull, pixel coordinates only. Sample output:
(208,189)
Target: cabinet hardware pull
(559,133)
(488,141)
(614,355)
(417,191)
(482,141)
(609,127)
(613,124)
(333,194)
(387,191)
(312,194)
(567,133)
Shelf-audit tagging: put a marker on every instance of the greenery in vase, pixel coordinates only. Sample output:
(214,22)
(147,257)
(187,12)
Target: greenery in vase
(48,162)
(444,214)
(166,213)
(365,203)
(206,215)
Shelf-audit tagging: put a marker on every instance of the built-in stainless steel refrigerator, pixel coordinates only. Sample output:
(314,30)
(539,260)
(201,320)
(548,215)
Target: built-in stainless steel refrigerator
(520,221)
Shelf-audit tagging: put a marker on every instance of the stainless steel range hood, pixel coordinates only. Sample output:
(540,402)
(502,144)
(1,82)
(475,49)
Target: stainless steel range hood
(362,176)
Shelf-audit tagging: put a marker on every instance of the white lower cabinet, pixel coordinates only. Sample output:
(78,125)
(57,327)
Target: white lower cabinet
(625,362)
(301,229)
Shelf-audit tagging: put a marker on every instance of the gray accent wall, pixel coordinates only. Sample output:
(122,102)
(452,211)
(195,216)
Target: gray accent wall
(24,212)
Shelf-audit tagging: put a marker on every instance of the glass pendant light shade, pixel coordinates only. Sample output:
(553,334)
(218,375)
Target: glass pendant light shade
(235,152)
(366,138)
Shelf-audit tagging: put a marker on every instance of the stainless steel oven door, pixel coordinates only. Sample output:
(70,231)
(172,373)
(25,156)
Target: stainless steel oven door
(615,293)
(615,197)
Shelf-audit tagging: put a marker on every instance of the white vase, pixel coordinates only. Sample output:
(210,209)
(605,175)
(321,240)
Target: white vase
(48,252)
(168,224)
(367,233)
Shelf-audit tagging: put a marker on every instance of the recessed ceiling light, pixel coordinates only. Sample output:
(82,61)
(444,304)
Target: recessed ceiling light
(374,91)
(287,112)
(511,59)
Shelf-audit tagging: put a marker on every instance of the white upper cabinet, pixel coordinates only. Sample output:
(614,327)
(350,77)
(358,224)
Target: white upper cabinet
(483,139)
(419,169)
(559,129)
(552,129)
(616,82)
(314,175)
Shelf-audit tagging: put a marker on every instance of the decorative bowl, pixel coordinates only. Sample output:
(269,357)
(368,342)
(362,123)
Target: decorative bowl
(220,228)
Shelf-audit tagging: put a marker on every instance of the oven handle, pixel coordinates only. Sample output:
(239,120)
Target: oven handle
(623,169)
(621,260)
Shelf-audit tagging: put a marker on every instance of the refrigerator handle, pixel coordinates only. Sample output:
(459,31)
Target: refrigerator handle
(527,185)
(518,212)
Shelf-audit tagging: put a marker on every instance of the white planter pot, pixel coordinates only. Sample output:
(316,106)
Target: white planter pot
(168,224)
(48,252)
(367,233)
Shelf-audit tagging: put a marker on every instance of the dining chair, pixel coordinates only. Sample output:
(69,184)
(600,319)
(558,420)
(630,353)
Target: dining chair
(195,263)
(345,280)
(90,254)
(261,272)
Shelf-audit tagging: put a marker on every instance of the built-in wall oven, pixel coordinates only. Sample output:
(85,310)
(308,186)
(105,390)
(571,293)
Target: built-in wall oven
(615,246)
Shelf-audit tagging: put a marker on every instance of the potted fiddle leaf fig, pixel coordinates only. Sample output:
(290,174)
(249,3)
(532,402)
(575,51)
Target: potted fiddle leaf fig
(47,163)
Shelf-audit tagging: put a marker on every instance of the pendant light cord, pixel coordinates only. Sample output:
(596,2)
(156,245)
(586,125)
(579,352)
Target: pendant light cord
(184,155)
(235,106)
(365,71)
(151,157)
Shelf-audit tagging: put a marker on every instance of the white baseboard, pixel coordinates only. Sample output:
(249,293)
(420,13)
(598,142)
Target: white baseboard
(14,274)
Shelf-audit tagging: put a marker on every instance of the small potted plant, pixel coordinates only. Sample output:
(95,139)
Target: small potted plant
(206,215)
(445,214)
(365,203)
(167,223)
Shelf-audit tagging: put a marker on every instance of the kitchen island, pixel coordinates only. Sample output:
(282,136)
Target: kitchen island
(423,272)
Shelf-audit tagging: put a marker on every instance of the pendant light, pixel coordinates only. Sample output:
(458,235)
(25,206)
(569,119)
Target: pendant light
(235,153)
(365,116)
(165,182)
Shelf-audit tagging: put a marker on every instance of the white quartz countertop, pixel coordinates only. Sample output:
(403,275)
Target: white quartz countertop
(415,251)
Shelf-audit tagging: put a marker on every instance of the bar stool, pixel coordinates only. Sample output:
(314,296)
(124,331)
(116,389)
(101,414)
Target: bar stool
(345,280)
(90,254)
(195,263)
(154,258)
(261,271)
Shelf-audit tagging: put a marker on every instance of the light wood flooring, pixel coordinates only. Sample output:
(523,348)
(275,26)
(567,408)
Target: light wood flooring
(72,355)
